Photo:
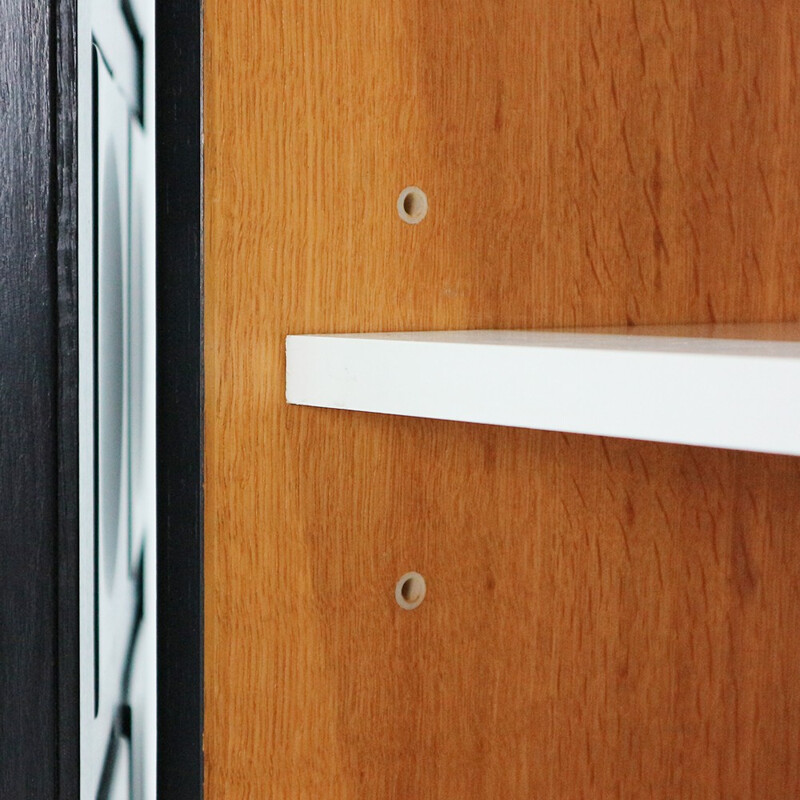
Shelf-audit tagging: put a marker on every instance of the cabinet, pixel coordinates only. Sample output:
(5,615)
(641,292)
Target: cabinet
(603,616)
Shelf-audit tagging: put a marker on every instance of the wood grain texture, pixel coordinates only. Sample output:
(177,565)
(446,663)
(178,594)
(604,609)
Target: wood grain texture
(64,173)
(604,618)
(39,648)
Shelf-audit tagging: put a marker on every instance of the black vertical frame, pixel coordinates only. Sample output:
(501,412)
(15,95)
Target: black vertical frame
(39,639)
(179,321)
(39,523)
(64,177)
(39,604)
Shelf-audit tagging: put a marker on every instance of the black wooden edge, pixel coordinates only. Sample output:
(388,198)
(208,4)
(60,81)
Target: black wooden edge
(179,320)
(64,181)
(39,702)
(37,248)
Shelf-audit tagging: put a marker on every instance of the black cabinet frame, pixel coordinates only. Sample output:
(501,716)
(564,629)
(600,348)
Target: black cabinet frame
(39,635)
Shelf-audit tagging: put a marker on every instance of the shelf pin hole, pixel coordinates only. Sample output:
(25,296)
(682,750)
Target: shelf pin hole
(410,591)
(412,205)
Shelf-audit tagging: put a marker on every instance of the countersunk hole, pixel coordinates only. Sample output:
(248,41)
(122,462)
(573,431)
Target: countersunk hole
(410,591)
(412,205)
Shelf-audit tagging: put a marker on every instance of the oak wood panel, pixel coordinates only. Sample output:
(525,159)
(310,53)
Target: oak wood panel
(604,618)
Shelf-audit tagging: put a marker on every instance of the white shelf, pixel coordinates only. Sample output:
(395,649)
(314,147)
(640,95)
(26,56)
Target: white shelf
(732,386)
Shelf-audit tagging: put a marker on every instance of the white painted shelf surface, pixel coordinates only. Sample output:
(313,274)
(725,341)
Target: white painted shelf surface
(732,386)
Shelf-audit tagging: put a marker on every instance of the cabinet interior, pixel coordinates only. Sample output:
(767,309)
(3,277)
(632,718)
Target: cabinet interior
(602,616)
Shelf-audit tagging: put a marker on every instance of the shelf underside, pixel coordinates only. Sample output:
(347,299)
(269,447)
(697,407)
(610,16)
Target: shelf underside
(732,386)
